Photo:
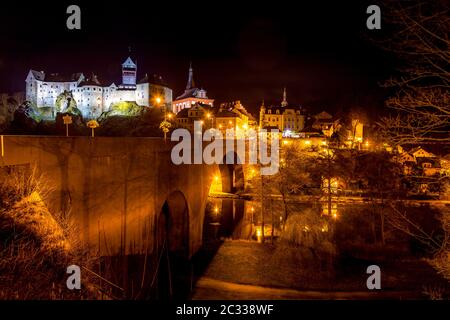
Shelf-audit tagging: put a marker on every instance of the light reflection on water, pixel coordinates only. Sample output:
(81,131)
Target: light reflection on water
(241,219)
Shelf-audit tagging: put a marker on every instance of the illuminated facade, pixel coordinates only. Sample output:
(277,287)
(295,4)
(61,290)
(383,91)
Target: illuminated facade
(92,97)
(228,116)
(191,95)
(288,119)
(232,116)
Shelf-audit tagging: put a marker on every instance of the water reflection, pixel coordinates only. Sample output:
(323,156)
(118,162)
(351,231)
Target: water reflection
(238,219)
(330,209)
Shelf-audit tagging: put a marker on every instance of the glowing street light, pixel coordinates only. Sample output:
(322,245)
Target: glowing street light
(67,119)
(165,125)
(93,124)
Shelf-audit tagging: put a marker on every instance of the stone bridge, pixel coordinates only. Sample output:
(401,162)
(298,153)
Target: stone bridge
(125,194)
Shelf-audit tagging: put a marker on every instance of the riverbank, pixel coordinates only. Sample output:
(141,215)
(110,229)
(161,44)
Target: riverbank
(250,270)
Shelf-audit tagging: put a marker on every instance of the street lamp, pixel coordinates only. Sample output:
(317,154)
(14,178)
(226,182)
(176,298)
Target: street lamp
(93,124)
(165,125)
(67,119)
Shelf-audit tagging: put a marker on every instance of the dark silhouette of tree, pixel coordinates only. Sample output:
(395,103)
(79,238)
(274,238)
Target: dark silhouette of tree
(419,37)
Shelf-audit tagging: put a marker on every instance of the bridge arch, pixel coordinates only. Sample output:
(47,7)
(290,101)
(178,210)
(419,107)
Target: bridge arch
(231,174)
(172,248)
(173,224)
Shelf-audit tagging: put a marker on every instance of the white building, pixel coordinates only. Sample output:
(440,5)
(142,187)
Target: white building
(91,96)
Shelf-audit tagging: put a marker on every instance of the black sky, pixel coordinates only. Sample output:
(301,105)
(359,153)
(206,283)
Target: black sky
(240,50)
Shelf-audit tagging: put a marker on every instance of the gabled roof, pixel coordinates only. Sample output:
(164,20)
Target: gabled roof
(323,115)
(128,63)
(38,75)
(414,150)
(184,113)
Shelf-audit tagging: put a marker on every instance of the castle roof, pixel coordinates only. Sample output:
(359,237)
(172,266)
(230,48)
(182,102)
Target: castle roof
(153,79)
(128,63)
(92,81)
(56,77)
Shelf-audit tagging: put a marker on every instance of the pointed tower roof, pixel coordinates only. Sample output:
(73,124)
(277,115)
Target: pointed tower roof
(190,83)
(284,103)
(128,63)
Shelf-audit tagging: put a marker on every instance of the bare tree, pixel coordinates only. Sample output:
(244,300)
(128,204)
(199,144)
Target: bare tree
(419,37)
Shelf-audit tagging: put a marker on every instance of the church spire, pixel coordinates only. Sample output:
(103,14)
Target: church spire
(284,103)
(190,84)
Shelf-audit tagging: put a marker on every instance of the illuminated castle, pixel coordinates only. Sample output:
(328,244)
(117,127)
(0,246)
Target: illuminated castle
(91,97)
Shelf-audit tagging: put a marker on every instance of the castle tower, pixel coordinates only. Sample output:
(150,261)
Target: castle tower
(262,112)
(129,70)
(284,103)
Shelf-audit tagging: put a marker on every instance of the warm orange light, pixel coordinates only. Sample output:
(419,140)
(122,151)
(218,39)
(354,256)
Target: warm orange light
(158,100)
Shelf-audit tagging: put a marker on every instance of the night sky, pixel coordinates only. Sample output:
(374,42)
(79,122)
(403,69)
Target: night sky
(240,50)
